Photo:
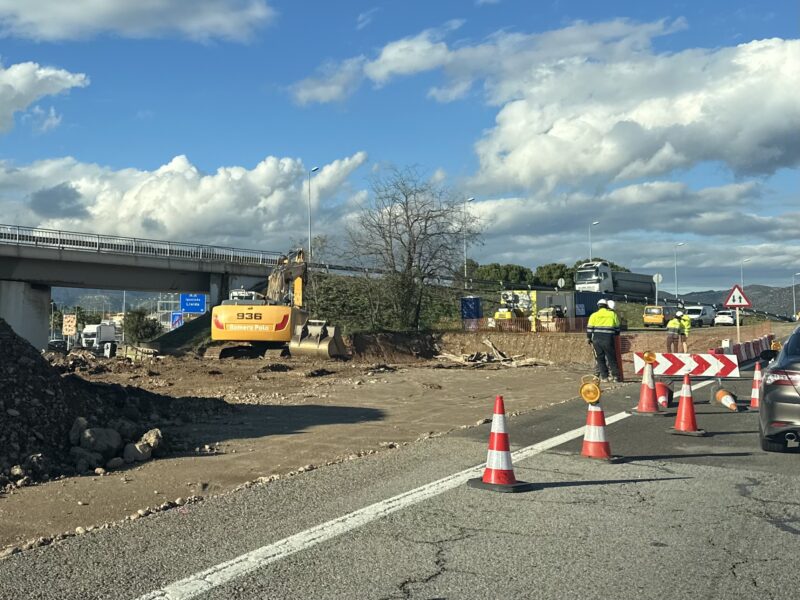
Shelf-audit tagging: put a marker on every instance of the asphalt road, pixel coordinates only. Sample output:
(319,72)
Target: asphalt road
(676,517)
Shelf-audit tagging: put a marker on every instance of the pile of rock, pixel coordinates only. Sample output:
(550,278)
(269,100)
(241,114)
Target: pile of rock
(53,424)
(112,447)
(36,410)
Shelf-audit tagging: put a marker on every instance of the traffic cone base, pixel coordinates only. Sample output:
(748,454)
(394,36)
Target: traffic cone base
(647,406)
(498,475)
(685,421)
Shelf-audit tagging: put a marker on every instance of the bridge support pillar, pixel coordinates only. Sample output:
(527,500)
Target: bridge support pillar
(26,308)
(217,288)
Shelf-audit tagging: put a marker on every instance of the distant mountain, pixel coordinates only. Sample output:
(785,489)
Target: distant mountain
(776,300)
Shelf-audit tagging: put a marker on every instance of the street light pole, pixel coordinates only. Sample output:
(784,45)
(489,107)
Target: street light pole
(741,272)
(794,297)
(676,267)
(470,199)
(314,170)
(592,224)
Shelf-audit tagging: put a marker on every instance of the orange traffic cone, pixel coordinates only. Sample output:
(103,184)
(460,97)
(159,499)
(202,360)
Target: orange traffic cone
(685,422)
(498,475)
(647,396)
(755,394)
(662,394)
(595,444)
(727,400)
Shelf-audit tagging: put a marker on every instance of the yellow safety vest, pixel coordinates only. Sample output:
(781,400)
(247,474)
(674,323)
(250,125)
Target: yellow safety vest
(674,326)
(603,321)
(686,324)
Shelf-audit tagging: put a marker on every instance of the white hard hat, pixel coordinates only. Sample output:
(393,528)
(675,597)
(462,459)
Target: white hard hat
(602,302)
(679,314)
(612,305)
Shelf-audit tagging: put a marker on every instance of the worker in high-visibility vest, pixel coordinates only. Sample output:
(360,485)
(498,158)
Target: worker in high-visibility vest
(686,326)
(674,328)
(602,329)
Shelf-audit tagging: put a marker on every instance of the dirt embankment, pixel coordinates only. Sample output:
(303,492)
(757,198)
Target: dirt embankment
(572,349)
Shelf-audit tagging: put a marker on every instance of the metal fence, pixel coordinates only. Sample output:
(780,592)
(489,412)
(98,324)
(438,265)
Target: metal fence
(106,244)
(518,325)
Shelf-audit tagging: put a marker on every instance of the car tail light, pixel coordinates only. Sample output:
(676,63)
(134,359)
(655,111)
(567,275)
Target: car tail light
(780,377)
(779,424)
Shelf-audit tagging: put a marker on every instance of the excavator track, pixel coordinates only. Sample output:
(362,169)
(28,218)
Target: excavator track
(234,350)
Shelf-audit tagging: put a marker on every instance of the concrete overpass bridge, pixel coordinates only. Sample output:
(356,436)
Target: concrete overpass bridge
(33,260)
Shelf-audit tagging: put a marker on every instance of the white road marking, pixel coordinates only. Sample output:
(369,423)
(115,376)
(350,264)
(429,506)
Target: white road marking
(218,575)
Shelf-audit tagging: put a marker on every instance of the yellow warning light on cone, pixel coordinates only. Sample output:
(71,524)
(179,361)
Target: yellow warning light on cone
(775,345)
(649,357)
(590,391)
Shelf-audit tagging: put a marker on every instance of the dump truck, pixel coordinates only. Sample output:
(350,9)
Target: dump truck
(249,323)
(597,276)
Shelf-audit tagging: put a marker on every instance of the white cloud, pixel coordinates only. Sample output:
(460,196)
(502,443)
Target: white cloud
(365,18)
(42,120)
(592,104)
(264,207)
(23,84)
(335,82)
(422,52)
(53,20)
(647,115)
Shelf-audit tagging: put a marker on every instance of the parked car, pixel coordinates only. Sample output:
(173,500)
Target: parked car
(726,317)
(701,315)
(658,316)
(779,410)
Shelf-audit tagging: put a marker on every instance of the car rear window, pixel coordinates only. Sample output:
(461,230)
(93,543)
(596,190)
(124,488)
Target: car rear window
(724,313)
(792,347)
(653,310)
(694,311)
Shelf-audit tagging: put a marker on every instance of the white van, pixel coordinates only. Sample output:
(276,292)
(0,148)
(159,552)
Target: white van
(701,315)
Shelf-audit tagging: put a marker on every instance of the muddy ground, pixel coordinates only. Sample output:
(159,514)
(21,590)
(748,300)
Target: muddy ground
(283,415)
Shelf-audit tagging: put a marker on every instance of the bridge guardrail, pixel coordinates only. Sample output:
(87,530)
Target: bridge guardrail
(88,242)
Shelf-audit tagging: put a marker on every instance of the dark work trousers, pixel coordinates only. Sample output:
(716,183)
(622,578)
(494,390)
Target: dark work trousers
(604,350)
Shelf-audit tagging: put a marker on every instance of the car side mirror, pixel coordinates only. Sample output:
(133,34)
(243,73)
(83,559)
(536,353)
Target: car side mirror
(768,354)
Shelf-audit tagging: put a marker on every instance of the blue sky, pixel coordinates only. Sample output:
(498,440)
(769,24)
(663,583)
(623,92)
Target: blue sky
(665,121)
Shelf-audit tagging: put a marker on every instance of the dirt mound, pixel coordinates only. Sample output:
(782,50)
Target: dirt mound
(394,347)
(39,409)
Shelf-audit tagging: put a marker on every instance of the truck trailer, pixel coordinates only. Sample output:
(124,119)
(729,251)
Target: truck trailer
(597,276)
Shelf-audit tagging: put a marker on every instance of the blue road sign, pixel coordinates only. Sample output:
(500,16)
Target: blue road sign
(177,319)
(193,303)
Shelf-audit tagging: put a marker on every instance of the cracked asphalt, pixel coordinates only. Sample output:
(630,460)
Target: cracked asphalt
(676,517)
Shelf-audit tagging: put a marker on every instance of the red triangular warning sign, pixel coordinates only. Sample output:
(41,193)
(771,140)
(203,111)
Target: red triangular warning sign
(737,299)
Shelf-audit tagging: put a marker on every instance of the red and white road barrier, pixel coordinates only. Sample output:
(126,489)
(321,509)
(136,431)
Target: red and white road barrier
(697,365)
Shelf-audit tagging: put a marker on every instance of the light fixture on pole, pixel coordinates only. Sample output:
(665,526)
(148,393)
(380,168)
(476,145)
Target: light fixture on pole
(314,170)
(470,199)
(794,296)
(676,266)
(741,271)
(593,223)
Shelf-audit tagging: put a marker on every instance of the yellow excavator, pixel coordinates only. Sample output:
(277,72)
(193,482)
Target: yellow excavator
(275,319)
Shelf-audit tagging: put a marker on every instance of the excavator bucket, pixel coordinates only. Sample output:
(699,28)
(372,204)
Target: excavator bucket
(317,338)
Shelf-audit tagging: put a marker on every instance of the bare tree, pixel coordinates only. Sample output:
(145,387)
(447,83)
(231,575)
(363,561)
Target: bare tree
(411,233)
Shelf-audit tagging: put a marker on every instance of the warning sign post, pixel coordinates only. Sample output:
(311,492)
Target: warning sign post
(737,299)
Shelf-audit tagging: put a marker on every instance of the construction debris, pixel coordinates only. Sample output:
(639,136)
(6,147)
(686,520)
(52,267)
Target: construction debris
(495,357)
